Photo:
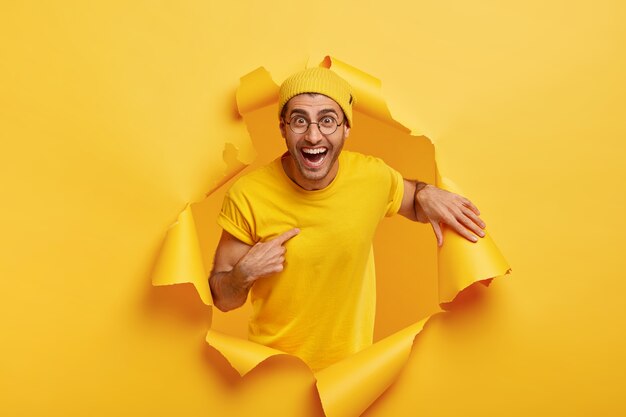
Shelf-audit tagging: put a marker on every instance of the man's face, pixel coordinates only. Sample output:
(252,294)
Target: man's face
(313,154)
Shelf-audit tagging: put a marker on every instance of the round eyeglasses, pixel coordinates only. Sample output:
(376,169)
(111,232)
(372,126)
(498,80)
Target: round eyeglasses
(327,124)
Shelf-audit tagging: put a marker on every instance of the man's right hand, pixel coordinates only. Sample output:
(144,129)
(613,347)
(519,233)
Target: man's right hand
(263,259)
(237,266)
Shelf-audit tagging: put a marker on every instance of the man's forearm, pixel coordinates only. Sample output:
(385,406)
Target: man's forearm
(227,295)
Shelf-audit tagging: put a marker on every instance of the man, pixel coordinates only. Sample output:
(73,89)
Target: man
(298,232)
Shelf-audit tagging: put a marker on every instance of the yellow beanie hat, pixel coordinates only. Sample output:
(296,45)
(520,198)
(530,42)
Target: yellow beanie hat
(318,80)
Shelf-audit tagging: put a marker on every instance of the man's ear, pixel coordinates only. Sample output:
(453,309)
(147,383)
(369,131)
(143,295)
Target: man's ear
(346,131)
(281,126)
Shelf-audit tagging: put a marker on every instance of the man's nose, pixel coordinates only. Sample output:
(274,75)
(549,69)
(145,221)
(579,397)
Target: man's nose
(313,135)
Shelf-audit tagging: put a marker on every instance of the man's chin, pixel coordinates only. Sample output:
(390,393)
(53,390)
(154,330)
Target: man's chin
(313,174)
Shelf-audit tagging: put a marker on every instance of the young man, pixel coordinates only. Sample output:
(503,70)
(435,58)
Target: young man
(298,232)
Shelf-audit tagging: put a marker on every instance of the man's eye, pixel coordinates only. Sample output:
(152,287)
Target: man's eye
(300,121)
(328,121)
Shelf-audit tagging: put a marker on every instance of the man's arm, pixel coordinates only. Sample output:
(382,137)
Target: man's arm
(426,203)
(237,266)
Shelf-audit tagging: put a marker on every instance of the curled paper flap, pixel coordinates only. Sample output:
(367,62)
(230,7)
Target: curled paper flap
(367,89)
(349,387)
(460,262)
(242,354)
(346,388)
(180,259)
(256,90)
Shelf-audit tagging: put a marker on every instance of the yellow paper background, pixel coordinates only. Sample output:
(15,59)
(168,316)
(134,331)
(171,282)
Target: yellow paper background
(114,115)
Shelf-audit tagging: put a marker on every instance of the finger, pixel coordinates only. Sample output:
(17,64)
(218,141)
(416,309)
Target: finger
(470,205)
(271,269)
(278,268)
(274,251)
(470,225)
(278,265)
(462,230)
(282,238)
(477,220)
(438,233)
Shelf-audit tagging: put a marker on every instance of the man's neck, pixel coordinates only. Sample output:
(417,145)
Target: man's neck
(292,171)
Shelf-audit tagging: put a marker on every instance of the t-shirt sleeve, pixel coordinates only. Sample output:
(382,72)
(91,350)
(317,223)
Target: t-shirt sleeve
(396,192)
(236,219)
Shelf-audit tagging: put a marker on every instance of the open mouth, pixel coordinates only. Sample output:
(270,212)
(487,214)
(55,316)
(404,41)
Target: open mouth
(314,157)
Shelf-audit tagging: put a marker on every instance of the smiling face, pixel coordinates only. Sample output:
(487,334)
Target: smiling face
(312,159)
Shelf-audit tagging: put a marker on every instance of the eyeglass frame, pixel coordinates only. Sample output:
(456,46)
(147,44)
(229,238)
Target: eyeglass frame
(309,123)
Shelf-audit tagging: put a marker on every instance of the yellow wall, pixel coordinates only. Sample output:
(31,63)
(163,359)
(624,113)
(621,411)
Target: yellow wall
(114,114)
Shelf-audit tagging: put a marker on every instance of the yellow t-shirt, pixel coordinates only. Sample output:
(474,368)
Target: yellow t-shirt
(321,307)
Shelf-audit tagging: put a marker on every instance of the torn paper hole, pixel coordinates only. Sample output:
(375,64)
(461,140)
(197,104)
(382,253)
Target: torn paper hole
(349,387)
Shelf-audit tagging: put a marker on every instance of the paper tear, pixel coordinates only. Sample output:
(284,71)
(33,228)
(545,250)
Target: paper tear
(233,166)
(180,259)
(350,386)
(242,355)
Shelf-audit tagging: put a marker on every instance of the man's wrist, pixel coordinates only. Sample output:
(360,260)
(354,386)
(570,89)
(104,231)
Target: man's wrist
(419,211)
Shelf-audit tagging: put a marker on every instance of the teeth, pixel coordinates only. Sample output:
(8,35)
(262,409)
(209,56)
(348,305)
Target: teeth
(313,151)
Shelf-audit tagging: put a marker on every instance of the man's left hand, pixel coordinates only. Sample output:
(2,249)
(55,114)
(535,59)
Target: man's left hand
(439,207)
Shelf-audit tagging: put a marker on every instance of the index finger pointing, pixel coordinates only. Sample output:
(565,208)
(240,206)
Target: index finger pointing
(284,237)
